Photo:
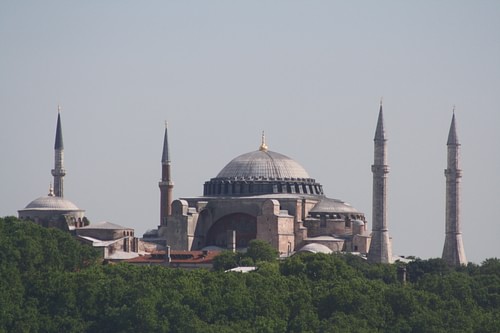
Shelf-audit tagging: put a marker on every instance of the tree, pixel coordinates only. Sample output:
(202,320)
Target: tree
(260,250)
(226,260)
(491,266)
(418,268)
(49,284)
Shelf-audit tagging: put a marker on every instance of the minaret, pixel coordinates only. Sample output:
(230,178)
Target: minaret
(380,246)
(59,172)
(453,251)
(166,184)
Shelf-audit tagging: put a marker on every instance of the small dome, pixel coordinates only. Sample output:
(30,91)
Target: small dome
(315,248)
(358,223)
(51,203)
(263,164)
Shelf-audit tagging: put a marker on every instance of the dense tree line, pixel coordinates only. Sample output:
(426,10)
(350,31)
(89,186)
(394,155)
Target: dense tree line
(51,283)
(257,250)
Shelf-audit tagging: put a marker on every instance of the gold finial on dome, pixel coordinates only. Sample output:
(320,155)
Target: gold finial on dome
(263,146)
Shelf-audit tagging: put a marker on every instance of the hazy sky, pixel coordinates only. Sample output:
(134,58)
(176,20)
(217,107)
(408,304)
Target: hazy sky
(309,73)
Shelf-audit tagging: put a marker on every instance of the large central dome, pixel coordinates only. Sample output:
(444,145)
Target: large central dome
(263,164)
(262,172)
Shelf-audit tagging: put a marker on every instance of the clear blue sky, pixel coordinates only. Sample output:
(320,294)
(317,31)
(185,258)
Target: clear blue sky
(309,73)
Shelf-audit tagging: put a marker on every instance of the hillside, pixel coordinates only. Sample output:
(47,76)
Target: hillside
(51,283)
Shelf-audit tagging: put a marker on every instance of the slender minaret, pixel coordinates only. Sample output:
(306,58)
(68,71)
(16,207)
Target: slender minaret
(453,251)
(380,246)
(59,172)
(166,184)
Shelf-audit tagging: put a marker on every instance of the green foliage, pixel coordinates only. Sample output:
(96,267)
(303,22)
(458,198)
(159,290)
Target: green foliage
(258,252)
(226,260)
(51,283)
(86,221)
(35,291)
(419,268)
(490,266)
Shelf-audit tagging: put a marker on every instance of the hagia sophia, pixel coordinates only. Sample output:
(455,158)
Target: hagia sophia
(261,195)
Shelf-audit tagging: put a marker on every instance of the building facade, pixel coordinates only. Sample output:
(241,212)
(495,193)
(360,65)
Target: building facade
(261,195)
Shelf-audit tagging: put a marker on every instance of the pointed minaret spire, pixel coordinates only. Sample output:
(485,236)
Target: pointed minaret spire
(452,135)
(59,138)
(453,251)
(58,172)
(165,156)
(166,184)
(380,246)
(380,131)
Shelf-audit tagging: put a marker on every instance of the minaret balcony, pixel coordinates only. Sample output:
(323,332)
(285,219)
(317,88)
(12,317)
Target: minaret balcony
(380,169)
(58,172)
(450,173)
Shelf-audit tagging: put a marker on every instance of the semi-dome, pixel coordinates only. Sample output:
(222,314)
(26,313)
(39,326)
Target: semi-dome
(263,164)
(327,205)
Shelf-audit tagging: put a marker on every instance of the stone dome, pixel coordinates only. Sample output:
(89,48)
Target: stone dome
(55,212)
(263,164)
(262,172)
(315,248)
(51,202)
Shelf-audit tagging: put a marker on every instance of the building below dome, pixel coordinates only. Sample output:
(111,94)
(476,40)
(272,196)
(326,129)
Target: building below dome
(258,195)
(114,241)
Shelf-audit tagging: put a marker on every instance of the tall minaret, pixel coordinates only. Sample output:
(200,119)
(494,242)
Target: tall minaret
(380,246)
(59,172)
(166,184)
(453,251)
